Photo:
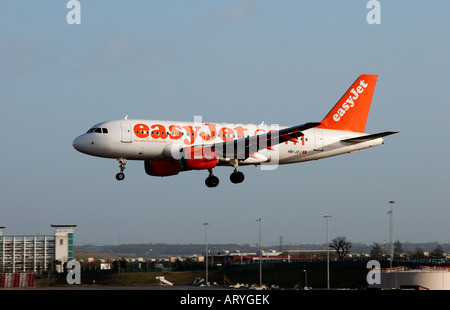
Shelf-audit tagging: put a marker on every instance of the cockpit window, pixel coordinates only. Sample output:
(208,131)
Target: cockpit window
(98,130)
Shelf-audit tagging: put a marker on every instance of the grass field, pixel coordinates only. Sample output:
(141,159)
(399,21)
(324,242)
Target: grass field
(349,277)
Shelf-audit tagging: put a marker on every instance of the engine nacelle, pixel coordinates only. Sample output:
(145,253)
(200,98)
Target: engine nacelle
(198,158)
(161,168)
(173,151)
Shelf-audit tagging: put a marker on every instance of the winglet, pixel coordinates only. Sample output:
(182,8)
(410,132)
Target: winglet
(351,111)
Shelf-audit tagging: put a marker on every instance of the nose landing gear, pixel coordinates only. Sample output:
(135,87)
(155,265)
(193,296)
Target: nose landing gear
(122,162)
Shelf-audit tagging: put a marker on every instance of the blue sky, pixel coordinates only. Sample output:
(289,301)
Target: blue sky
(243,61)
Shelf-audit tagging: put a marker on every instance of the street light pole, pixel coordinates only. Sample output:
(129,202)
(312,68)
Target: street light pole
(206,250)
(327,216)
(306,279)
(391,231)
(260,256)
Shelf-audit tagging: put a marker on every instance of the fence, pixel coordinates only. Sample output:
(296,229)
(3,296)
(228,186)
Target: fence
(16,279)
(302,263)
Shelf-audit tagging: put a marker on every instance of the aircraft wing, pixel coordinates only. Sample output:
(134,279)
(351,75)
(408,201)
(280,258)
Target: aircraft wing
(243,148)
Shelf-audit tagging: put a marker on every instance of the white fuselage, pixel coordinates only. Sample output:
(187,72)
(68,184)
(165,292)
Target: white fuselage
(155,140)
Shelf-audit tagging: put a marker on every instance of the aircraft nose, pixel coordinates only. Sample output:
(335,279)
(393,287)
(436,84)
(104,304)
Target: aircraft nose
(88,145)
(78,144)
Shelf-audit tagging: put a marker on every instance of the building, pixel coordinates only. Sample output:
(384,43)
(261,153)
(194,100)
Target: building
(63,245)
(271,256)
(36,253)
(427,278)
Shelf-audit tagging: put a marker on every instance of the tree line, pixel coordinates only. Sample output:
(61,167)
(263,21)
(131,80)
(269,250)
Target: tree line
(343,247)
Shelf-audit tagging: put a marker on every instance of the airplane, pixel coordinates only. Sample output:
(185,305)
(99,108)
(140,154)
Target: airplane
(170,147)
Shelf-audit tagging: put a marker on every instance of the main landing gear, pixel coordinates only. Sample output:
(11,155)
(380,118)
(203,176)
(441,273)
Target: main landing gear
(122,162)
(236,177)
(211,180)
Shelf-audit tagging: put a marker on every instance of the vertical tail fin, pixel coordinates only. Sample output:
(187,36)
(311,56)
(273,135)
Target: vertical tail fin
(351,111)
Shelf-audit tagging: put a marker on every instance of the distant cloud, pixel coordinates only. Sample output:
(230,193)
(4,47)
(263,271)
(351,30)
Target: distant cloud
(242,9)
(123,52)
(20,58)
(112,53)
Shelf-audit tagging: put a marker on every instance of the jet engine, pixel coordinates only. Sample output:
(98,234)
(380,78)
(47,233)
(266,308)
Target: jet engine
(161,168)
(198,158)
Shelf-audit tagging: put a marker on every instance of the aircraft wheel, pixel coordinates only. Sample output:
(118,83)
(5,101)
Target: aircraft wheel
(237,177)
(120,176)
(212,181)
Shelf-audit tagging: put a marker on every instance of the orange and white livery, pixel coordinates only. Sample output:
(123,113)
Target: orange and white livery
(170,147)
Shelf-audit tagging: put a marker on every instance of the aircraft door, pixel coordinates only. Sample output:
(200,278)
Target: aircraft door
(126,132)
(318,137)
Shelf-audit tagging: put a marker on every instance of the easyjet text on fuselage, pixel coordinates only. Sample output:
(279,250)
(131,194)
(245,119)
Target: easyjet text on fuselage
(189,134)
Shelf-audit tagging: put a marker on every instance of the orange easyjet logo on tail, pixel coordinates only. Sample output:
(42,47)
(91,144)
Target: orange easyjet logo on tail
(350,102)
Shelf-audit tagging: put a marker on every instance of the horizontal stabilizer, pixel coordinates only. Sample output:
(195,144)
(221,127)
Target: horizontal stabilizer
(369,137)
